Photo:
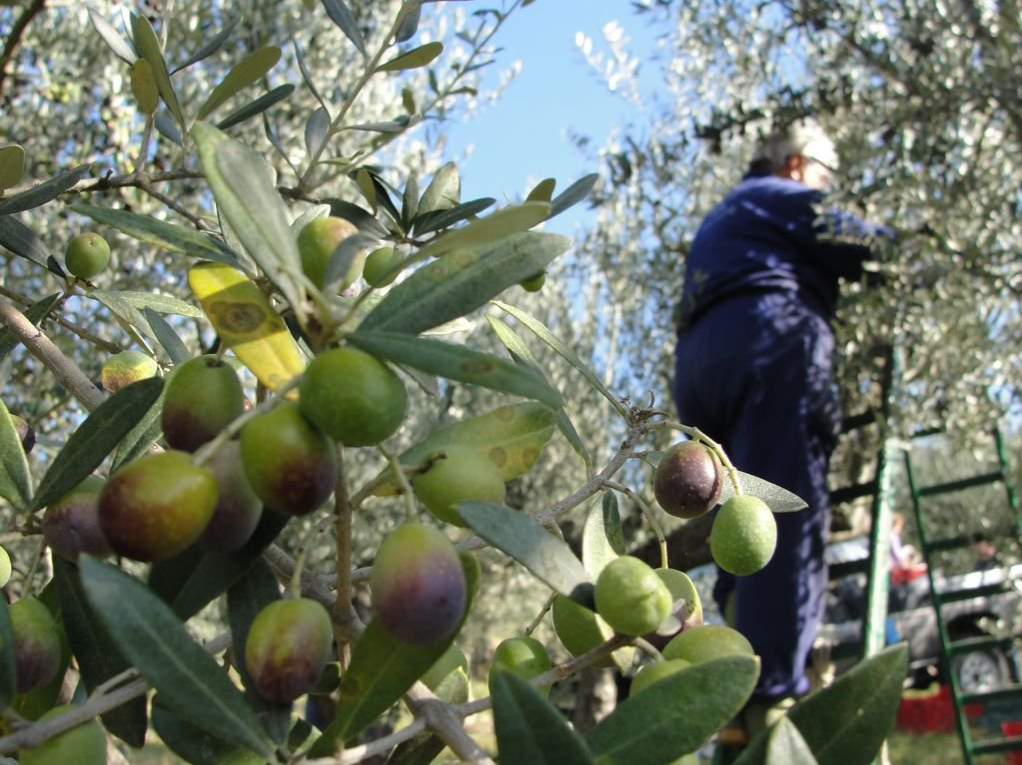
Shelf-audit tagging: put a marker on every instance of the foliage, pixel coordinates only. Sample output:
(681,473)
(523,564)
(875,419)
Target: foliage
(200,142)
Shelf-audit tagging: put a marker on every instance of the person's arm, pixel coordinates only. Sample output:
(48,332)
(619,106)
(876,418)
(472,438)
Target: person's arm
(844,242)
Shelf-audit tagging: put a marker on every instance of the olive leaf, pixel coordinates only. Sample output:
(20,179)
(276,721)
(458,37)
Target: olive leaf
(44,192)
(95,438)
(188,679)
(15,477)
(456,362)
(530,731)
(461,281)
(148,46)
(413,59)
(246,72)
(675,715)
(518,535)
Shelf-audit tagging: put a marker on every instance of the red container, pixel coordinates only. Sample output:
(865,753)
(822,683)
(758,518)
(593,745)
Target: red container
(1012,728)
(932,712)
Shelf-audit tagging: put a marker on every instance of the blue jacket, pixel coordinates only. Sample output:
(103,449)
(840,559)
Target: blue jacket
(771,234)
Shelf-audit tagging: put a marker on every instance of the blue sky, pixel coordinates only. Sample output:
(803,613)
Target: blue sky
(524,137)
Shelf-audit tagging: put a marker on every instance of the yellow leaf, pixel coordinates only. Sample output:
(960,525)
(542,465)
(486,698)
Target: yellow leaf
(247,323)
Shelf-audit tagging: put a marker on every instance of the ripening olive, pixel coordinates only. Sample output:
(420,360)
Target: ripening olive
(202,397)
(71,524)
(25,433)
(688,480)
(418,585)
(238,509)
(36,644)
(156,506)
(381,267)
(291,466)
(708,641)
(287,648)
(126,367)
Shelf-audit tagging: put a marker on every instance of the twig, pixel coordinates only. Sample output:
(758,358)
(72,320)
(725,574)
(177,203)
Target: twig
(14,39)
(88,337)
(40,346)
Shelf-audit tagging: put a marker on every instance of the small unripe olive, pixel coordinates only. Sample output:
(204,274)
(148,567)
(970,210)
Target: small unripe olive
(381,267)
(523,656)
(419,592)
(202,397)
(87,255)
(353,397)
(688,480)
(126,367)
(84,744)
(744,535)
(316,243)
(156,506)
(287,648)
(36,644)
(291,466)
(534,283)
(71,524)
(458,474)
(631,597)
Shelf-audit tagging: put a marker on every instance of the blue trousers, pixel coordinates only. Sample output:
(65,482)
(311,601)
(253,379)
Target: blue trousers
(754,373)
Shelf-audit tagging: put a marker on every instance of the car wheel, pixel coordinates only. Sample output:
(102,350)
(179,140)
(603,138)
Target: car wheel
(981,671)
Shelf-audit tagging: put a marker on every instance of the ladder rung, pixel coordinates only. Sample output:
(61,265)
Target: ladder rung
(962,483)
(854,491)
(1000,694)
(948,543)
(847,568)
(994,745)
(979,643)
(856,421)
(982,591)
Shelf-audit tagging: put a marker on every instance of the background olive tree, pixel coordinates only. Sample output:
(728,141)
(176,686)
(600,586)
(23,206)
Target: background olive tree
(921,101)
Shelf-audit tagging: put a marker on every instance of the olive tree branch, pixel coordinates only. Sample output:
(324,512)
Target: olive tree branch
(14,39)
(85,335)
(40,346)
(431,718)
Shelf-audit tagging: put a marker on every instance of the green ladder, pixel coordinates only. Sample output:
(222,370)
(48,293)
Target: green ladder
(931,549)
(879,489)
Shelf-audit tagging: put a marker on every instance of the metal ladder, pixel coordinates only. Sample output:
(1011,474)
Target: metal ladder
(879,489)
(931,550)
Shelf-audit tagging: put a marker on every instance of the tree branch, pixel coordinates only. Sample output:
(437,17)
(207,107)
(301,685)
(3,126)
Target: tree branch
(14,39)
(40,346)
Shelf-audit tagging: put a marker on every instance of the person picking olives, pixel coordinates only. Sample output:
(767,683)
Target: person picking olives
(753,371)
